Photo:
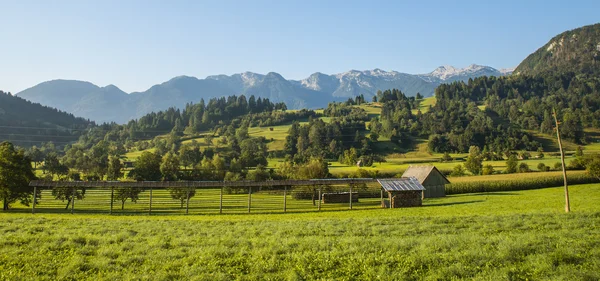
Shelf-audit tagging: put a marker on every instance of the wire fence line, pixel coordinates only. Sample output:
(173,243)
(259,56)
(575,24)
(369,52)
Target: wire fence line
(182,199)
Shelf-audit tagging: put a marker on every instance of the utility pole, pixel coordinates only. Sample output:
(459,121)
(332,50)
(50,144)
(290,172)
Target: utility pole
(562,159)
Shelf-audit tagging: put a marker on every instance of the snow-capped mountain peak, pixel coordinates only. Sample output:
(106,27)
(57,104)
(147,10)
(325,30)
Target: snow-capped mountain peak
(448,73)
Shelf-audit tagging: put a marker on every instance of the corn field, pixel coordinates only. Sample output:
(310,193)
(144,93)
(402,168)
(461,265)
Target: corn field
(517,183)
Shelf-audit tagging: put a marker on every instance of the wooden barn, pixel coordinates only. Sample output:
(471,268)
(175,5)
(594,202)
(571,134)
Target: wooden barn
(431,178)
(403,192)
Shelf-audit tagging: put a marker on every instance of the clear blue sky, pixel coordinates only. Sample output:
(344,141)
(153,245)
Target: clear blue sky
(136,44)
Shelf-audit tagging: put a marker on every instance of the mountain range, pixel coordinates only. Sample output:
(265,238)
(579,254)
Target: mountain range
(111,104)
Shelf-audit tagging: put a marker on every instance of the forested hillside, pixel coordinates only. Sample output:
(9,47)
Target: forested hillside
(25,123)
(577,51)
(511,105)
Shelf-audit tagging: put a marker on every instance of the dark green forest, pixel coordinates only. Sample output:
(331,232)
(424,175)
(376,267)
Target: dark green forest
(25,123)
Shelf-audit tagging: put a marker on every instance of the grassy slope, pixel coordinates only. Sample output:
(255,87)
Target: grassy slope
(495,236)
(426,103)
(399,162)
(397,165)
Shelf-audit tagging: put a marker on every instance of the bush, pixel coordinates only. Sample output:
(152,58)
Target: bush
(447,157)
(511,164)
(458,171)
(576,164)
(542,167)
(517,184)
(557,166)
(524,168)
(488,170)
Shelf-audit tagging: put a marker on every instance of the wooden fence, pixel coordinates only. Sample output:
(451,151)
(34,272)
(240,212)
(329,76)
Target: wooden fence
(202,197)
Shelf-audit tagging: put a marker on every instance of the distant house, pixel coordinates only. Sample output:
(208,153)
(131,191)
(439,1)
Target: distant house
(431,178)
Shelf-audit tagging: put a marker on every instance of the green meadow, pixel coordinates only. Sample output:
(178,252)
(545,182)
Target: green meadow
(517,235)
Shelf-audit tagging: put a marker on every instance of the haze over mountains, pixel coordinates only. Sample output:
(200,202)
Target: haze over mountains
(111,104)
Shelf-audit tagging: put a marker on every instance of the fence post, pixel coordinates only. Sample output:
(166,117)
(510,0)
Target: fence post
(285,198)
(382,204)
(150,209)
(320,196)
(73,200)
(34,199)
(221,201)
(112,198)
(187,202)
(249,198)
(350,196)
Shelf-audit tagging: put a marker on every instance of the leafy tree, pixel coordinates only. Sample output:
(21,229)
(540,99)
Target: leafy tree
(253,153)
(208,139)
(316,168)
(219,167)
(15,174)
(189,155)
(114,168)
(593,168)
(571,127)
(147,167)
(350,157)
(99,158)
(68,194)
(512,164)
(542,167)
(474,161)
(124,193)
(241,133)
(259,174)
(169,168)
(182,194)
(36,155)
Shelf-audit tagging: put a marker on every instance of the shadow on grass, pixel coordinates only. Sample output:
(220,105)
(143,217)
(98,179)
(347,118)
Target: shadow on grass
(452,203)
(501,193)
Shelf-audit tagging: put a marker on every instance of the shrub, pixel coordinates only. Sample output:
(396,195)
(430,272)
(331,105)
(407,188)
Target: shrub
(524,168)
(488,170)
(447,157)
(541,167)
(557,166)
(576,164)
(458,171)
(511,164)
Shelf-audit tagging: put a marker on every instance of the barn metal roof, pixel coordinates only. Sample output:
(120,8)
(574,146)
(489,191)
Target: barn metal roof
(401,184)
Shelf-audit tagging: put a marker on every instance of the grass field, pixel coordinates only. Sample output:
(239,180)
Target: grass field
(523,235)
(205,201)
(424,106)
(276,137)
(398,165)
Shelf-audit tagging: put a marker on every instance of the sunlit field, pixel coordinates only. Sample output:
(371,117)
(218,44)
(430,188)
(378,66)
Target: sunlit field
(490,236)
